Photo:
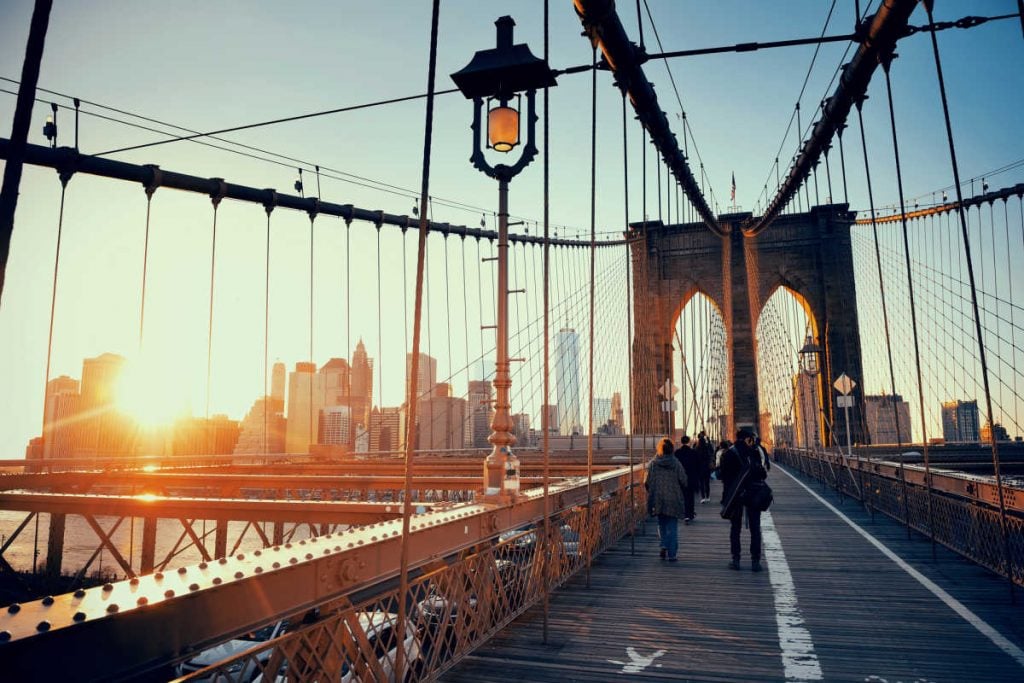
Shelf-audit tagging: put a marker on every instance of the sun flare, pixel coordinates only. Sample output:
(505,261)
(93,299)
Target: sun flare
(150,393)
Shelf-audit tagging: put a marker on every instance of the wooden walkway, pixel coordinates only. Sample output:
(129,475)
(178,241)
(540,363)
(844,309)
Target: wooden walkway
(832,606)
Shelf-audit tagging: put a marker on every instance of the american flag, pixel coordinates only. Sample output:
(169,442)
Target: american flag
(732,197)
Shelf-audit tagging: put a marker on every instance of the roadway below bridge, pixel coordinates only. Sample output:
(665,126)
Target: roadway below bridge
(845,598)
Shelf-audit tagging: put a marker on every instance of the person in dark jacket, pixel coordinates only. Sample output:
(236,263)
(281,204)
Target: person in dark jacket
(740,467)
(666,480)
(707,453)
(691,461)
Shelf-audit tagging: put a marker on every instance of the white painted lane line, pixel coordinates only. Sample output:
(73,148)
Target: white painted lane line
(970,617)
(798,659)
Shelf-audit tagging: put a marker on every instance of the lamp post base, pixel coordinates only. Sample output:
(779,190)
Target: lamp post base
(501,476)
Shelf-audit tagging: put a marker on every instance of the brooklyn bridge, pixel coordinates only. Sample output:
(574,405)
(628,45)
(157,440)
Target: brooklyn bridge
(337,342)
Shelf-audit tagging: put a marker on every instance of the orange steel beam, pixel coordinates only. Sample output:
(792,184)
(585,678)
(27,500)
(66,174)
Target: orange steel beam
(233,509)
(81,482)
(971,486)
(987,198)
(158,618)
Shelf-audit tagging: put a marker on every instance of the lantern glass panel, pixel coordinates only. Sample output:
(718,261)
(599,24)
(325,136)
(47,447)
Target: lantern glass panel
(503,128)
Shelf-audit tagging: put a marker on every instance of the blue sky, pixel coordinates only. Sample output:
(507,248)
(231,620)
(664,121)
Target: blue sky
(214,65)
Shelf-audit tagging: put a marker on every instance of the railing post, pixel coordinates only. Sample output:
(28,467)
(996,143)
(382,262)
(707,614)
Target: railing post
(147,562)
(55,544)
(220,539)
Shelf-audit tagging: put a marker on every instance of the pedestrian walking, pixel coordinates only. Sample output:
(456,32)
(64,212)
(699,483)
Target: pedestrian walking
(742,473)
(707,455)
(666,480)
(691,461)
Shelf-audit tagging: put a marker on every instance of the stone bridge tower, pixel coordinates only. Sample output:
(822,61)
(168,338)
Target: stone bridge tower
(808,253)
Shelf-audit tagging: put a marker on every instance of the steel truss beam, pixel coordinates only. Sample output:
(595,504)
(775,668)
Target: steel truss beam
(602,25)
(67,160)
(161,617)
(987,198)
(312,511)
(886,27)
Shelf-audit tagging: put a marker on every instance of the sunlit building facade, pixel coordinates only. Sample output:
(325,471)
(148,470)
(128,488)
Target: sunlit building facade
(567,381)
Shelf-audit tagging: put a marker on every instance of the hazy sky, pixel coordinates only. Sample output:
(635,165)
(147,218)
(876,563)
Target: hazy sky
(208,66)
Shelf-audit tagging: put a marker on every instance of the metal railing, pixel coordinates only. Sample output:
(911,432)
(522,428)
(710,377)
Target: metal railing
(473,568)
(954,511)
(453,608)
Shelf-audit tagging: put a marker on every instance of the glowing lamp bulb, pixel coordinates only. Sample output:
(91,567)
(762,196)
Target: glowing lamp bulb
(503,128)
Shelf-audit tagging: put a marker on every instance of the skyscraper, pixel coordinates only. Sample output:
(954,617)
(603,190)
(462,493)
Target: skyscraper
(960,423)
(426,375)
(552,414)
(386,425)
(881,423)
(336,426)
(602,412)
(521,428)
(478,426)
(441,420)
(263,429)
(277,379)
(305,398)
(60,418)
(103,430)
(567,379)
(335,377)
(618,415)
(362,384)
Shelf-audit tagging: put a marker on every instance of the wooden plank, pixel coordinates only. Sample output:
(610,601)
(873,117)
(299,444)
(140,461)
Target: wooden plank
(865,615)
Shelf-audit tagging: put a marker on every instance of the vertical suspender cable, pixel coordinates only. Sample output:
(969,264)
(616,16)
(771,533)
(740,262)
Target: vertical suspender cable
(268,207)
(974,304)
(885,315)
(314,436)
(913,310)
(150,189)
(216,199)
(64,178)
(410,427)
(593,252)
(545,417)
(380,349)
(348,312)
(629,321)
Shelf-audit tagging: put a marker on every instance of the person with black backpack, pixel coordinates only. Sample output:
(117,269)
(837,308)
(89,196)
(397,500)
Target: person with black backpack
(707,453)
(745,494)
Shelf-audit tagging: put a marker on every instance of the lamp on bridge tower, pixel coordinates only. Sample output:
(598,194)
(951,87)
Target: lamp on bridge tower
(811,365)
(499,76)
(809,357)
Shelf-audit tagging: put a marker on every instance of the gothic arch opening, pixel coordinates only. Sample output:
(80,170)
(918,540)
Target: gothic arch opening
(789,399)
(700,368)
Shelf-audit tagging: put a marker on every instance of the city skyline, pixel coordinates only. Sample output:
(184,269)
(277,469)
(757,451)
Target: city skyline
(97,300)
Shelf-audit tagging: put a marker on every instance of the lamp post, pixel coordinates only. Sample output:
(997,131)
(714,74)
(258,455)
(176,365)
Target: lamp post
(716,405)
(499,76)
(811,366)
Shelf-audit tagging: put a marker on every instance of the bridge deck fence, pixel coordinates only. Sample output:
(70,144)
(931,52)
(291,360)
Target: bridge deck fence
(964,524)
(454,607)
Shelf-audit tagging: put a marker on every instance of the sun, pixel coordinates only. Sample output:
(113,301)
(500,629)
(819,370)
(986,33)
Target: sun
(152,393)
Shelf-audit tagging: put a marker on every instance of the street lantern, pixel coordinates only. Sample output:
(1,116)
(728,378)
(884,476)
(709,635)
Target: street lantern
(809,357)
(503,125)
(499,76)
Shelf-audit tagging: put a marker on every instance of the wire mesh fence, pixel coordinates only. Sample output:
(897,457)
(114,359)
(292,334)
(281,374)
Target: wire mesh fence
(967,526)
(452,606)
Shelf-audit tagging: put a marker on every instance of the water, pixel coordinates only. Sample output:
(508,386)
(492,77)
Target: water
(81,542)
